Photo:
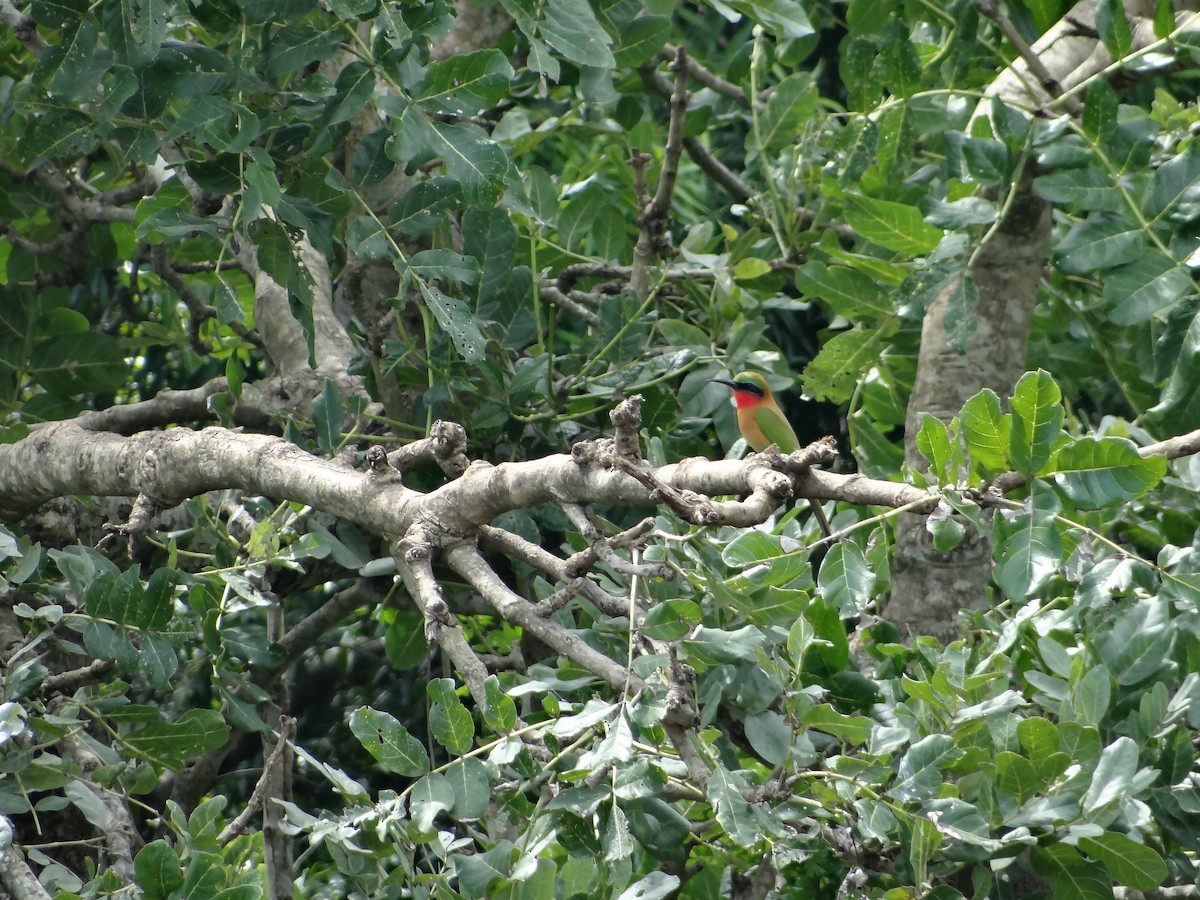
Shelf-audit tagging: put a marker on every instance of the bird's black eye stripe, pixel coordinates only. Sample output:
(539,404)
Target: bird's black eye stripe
(750,388)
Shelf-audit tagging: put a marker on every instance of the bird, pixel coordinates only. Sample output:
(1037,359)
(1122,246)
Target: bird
(762,422)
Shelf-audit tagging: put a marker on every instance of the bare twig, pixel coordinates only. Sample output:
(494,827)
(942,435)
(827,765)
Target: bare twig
(569,303)
(66,682)
(654,218)
(15,873)
(23,26)
(413,554)
(561,570)
(446,446)
(121,835)
(991,9)
(705,77)
(258,797)
(466,561)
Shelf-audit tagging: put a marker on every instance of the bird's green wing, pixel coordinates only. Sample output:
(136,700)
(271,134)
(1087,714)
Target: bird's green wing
(776,429)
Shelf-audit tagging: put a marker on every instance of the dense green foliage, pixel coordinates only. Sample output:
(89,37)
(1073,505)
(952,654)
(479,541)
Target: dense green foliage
(837,176)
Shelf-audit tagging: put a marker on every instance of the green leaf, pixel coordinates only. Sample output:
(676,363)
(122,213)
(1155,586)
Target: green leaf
(404,642)
(714,646)
(389,742)
(353,92)
(466,84)
(473,159)
(1176,182)
(135,29)
(1070,876)
(898,62)
(1149,285)
(1017,777)
(79,363)
(172,743)
(58,13)
(430,797)
(919,775)
(157,660)
(1112,776)
(671,620)
(1037,417)
(770,736)
(499,710)
(1098,472)
(1113,28)
(1028,552)
(570,27)
(845,579)
(959,319)
(835,372)
(328,416)
(157,871)
(1090,189)
(986,431)
(1139,643)
(369,239)
(69,63)
(444,265)
(847,291)
(785,19)
(290,48)
(791,104)
(852,729)
(456,320)
(894,226)
(934,443)
(1130,863)
(744,824)
(1100,242)
(452,726)
(472,792)
(1091,697)
(640,40)
(765,561)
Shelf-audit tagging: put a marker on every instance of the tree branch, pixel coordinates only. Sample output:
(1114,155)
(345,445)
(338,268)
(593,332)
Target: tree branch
(15,873)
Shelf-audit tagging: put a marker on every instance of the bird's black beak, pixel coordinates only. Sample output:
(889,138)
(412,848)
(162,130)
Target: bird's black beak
(725,381)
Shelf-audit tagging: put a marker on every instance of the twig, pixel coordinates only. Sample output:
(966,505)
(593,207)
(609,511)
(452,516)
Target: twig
(121,835)
(654,218)
(559,569)
(1052,86)
(717,170)
(707,78)
(15,873)
(413,559)
(599,547)
(661,205)
(569,303)
(445,446)
(287,733)
(23,25)
(66,682)
(466,561)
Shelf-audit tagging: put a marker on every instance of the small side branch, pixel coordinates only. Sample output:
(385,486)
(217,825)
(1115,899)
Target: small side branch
(1050,84)
(121,835)
(413,555)
(466,561)
(287,733)
(15,874)
(654,220)
(559,569)
(446,446)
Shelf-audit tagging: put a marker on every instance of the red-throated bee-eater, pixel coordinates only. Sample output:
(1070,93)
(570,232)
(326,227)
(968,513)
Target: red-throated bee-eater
(763,423)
